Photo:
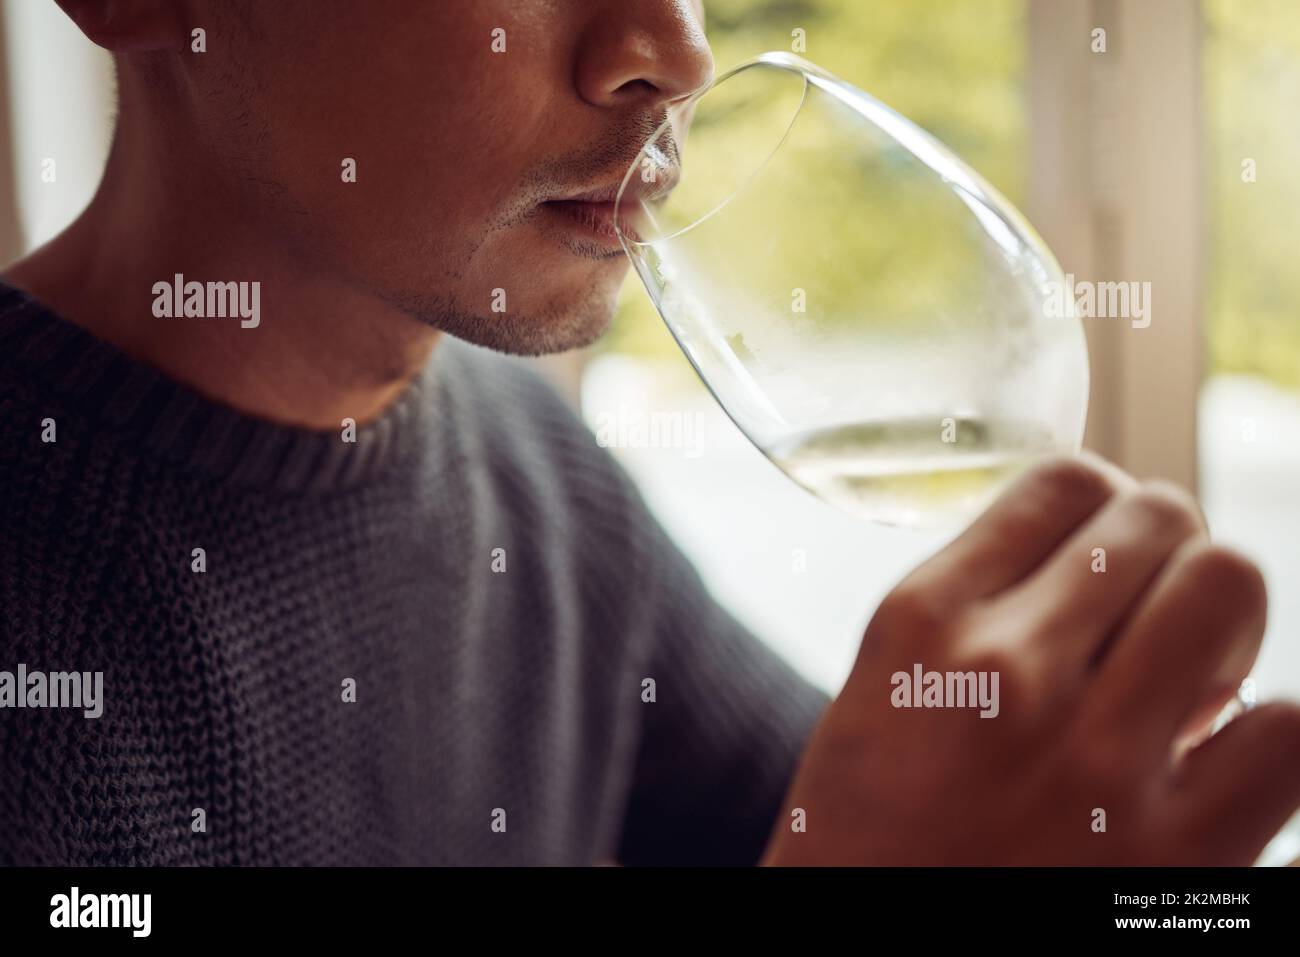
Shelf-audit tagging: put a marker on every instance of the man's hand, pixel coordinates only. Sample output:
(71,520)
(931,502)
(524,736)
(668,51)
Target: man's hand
(1104,680)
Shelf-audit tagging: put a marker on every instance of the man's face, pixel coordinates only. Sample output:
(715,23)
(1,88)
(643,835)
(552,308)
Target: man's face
(471,123)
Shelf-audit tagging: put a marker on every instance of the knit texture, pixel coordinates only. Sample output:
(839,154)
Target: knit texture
(511,696)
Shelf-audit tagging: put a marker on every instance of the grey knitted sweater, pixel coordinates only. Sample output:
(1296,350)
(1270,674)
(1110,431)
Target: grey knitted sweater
(427,646)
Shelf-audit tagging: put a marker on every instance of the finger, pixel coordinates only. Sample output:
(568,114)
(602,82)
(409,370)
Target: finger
(1093,580)
(1188,644)
(1019,530)
(1241,786)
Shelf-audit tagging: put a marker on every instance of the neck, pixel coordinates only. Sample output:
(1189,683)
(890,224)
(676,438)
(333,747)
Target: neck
(322,350)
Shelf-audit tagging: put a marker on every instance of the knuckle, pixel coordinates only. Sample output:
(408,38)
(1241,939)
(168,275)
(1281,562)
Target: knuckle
(1228,575)
(1169,507)
(909,608)
(1067,479)
(1003,675)
(992,661)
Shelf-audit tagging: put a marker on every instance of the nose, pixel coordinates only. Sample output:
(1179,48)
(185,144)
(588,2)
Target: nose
(642,52)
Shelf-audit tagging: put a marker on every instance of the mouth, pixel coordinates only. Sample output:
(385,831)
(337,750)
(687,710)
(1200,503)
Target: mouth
(594,219)
(594,213)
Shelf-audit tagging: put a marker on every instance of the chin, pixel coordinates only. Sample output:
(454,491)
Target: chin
(568,322)
(554,332)
(558,327)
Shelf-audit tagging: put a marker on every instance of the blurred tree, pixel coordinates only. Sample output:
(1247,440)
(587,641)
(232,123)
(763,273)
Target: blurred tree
(1252,82)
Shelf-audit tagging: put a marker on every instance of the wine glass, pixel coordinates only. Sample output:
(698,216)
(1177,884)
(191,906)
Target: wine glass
(870,312)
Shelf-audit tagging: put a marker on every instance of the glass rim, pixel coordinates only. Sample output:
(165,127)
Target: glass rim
(788,62)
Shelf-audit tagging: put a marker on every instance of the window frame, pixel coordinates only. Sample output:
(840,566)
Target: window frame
(1117,190)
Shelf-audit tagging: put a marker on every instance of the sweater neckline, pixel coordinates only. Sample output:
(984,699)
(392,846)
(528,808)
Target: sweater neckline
(169,420)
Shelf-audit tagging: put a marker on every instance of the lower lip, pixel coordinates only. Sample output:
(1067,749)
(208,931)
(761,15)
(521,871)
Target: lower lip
(596,220)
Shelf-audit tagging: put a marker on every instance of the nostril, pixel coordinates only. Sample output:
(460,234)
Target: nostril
(637,88)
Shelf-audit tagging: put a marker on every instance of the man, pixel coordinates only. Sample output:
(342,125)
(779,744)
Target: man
(363,594)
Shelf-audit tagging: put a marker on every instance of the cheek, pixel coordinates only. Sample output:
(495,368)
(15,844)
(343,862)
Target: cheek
(407,190)
(450,164)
